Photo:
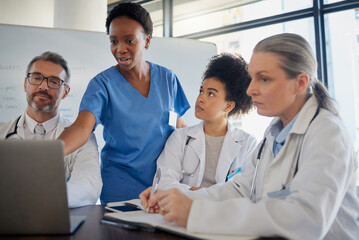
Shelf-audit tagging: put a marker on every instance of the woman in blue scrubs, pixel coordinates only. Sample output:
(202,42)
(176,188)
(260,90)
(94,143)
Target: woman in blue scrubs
(135,102)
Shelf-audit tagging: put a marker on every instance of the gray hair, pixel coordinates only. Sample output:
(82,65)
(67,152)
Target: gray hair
(296,57)
(54,58)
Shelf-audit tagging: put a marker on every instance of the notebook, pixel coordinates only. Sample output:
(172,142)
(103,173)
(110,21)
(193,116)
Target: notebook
(33,197)
(140,220)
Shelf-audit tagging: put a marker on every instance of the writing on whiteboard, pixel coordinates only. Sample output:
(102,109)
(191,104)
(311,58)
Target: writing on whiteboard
(10,67)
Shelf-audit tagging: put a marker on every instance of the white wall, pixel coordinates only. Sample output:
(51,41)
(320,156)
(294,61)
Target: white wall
(27,12)
(89,15)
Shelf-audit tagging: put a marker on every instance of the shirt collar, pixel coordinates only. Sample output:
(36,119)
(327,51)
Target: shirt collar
(281,133)
(49,125)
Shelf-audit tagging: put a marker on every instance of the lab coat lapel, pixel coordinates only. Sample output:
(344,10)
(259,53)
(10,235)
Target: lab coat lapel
(20,130)
(286,159)
(280,169)
(197,145)
(230,148)
(300,126)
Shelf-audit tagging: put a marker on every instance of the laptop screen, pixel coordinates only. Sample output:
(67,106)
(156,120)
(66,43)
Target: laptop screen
(33,188)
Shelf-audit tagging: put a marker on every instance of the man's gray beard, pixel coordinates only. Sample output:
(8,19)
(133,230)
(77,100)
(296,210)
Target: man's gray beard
(47,108)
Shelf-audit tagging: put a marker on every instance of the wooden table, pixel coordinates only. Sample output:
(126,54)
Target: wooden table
(93,229)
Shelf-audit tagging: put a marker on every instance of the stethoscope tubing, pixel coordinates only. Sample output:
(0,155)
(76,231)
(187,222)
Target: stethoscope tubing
(15,129)
(190,174)
(256,169)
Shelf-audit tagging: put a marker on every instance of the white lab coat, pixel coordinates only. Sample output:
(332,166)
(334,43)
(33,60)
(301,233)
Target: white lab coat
(236,149)
(82,166)
(322,201)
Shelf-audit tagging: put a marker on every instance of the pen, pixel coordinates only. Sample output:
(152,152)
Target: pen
(156,179)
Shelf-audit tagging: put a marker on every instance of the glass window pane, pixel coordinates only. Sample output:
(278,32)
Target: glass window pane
(333,1)
(342,37)
(156,12)
(158,31)
(243,42)
(195,16)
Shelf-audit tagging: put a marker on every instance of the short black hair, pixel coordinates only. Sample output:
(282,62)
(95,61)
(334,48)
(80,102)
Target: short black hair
(232,70)
(132,11)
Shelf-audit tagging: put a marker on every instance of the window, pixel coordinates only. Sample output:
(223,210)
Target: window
(245,42)
(195,16)
(156,12)
(342,29)
(332,1)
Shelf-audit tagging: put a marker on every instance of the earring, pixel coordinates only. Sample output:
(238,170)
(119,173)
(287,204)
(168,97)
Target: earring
(225,115)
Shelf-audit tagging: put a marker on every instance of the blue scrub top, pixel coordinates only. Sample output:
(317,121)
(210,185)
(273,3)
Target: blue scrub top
(135,127)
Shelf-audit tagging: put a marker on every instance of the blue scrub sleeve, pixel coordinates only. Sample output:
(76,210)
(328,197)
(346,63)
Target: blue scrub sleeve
(181,104)
(95,99)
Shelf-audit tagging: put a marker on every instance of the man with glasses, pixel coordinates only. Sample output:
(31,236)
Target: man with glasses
(46,84)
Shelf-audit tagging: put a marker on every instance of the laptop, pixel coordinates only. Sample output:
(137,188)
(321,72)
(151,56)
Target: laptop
(33,197)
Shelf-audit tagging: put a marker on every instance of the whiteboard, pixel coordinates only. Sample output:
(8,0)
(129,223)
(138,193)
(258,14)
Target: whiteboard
(87,54)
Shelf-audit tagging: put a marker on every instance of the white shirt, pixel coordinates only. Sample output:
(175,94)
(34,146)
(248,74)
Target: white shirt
(81,167)
(49,125)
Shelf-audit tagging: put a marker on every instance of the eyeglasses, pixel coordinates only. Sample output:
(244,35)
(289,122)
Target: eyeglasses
(38,78)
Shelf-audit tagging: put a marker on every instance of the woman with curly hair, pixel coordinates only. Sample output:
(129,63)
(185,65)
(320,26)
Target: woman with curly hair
(213,150)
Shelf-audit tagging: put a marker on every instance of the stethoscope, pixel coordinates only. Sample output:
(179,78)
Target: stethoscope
(253,189)
(184,172)
(15,129)
(256,169)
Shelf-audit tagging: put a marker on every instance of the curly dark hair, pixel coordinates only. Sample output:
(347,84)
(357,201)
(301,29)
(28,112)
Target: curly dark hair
(232,70)
(133,11)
